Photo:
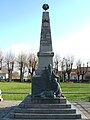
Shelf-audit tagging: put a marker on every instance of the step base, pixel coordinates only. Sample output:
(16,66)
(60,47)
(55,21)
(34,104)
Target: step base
(40,109)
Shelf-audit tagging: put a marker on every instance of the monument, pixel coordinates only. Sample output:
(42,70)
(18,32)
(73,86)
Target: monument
(45,54)
(45,101)
(41,83)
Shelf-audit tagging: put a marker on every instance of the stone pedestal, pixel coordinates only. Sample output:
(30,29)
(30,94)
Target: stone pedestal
(39,84)
(44,109)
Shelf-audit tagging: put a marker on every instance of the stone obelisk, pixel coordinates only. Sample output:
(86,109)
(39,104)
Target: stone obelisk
(45,54)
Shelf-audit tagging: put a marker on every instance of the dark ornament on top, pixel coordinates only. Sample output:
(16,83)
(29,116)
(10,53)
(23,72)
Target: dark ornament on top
(45,7)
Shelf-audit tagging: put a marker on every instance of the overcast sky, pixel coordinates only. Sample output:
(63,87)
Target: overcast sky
(20,26)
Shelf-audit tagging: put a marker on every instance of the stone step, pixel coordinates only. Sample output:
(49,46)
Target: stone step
(46,100)
(46,116)
(44,106)
(45,111)
(37,119)
(41,109)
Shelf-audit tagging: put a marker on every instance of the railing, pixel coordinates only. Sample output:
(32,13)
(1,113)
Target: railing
(15,93)
(76,92)
(62,93)
(72,96)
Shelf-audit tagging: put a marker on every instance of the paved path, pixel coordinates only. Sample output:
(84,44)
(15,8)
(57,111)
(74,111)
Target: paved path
(84,107)
(7,106)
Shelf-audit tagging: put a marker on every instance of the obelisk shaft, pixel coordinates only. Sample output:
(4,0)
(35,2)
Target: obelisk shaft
(45,54)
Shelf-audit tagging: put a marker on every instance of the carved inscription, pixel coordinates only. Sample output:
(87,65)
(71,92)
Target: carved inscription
(45,37)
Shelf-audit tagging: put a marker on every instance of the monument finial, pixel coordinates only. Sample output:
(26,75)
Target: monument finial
(45,7)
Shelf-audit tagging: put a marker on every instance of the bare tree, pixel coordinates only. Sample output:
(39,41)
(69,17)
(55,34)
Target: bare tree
(9,58)
(32,62)
(22,62)
(81,69)
(69,64)
(63,69)
(1,58)
(66,66)
(57,61)
(78,63)
(84,70)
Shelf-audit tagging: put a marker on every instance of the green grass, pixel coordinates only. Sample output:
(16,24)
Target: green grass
(26,88)
(15,88)
(78,88)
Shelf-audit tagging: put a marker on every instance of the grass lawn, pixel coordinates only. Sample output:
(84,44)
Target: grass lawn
(16,87)
(76,88)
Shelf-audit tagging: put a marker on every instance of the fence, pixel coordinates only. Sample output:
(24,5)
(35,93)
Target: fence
(72,96)
(62,93)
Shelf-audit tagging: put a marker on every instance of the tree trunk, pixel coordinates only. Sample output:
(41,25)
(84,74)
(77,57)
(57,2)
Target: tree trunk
(68,76)
(78,78)
(21,75)
(82,77)
(64,77)
(9,75)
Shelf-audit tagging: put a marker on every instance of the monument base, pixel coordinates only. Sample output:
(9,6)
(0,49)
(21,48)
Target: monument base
(39,84)
(48,109)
